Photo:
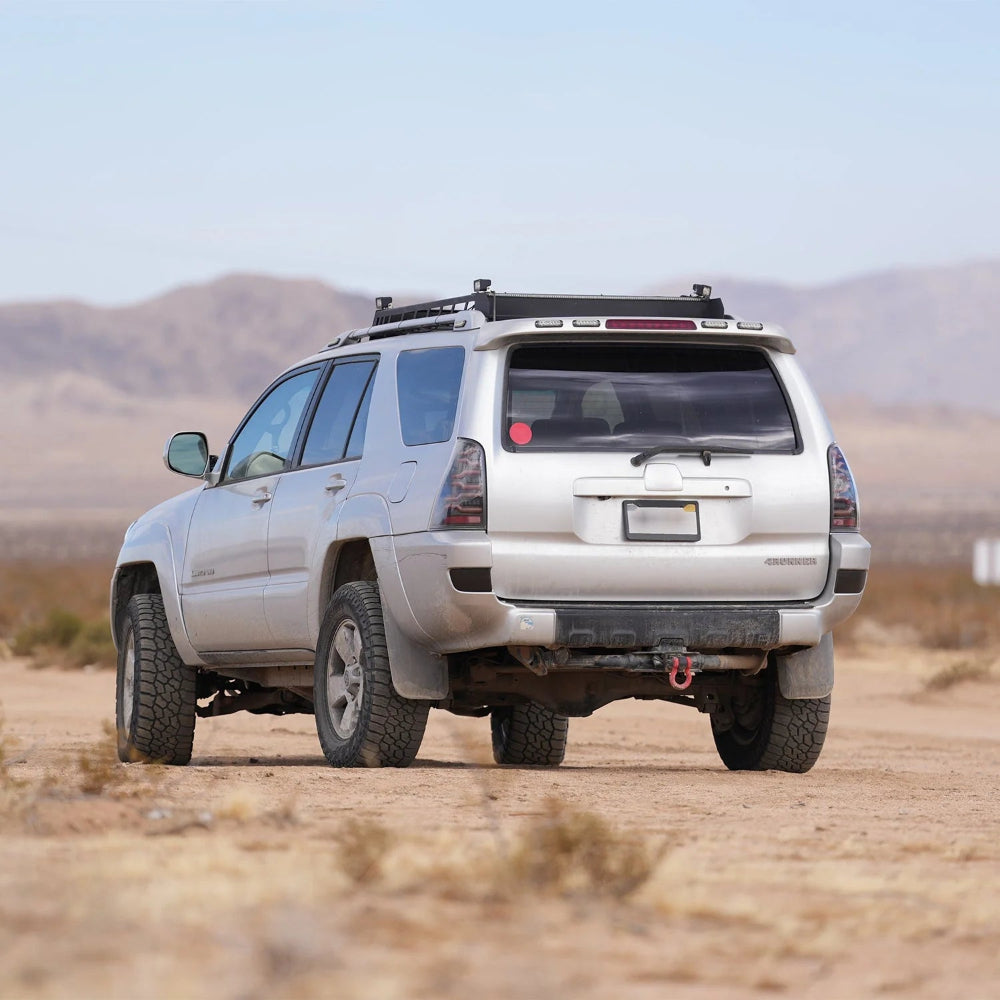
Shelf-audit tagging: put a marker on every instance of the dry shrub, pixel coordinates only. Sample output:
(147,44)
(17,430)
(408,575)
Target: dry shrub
(568,851)
(12,798)
(362,845)
(957,673)
(564,851)
(98,767)
(5,779)
(29,590)
(65,639)
(243,807)
(944,608)
(100,772)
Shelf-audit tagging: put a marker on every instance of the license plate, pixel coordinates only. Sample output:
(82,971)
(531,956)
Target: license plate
(662,520)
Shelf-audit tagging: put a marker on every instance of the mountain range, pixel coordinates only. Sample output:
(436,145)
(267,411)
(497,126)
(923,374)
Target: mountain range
(905,360)
(908,337)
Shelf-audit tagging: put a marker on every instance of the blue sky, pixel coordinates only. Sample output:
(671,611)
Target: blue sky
(559,147)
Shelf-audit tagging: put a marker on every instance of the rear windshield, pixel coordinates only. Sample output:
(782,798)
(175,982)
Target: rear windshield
(610,396)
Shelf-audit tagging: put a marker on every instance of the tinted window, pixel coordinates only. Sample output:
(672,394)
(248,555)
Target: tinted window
(337,413)
(356,445)
(639,395)
(263,445)
(428,382)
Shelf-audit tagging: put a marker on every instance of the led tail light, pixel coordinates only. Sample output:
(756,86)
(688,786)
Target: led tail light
(651,324)
(462,501)
(843,493)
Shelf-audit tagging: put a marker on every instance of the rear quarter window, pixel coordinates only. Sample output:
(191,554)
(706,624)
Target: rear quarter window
(427,386)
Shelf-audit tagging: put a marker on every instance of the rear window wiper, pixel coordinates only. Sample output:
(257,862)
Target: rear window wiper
(706,453)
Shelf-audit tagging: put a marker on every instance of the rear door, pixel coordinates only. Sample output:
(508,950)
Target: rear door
(308,497)
(653,471)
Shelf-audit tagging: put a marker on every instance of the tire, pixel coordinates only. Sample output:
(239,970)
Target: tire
(360,719)
(155,700)
(770,732)
(528,734)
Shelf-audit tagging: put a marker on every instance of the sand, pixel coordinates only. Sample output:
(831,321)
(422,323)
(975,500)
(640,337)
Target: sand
(259,872)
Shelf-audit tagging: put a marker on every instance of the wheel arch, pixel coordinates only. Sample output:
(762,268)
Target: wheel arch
(416,672)
(346,561)
(129,580)
(364,533)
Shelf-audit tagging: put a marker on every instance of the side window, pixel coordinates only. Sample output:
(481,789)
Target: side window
(264,443)
(428,382)
(357,443)
(337,414)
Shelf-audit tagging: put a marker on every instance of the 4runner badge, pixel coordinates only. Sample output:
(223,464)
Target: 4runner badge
(790,561)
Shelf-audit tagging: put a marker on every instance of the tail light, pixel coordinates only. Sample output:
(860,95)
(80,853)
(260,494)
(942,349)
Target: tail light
(843,493)
(462,501)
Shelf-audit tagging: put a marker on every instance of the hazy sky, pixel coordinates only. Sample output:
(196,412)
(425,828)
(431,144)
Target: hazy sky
(551,146)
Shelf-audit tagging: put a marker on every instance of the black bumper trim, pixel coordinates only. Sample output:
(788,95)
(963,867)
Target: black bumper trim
(473,580)
(704,627)
(850,581)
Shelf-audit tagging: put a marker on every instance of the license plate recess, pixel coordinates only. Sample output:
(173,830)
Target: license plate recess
(662,520)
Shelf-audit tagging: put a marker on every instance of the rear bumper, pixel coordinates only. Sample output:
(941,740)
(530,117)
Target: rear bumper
(444,619)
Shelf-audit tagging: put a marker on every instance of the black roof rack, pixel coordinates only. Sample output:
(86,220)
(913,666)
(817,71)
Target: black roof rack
(497,306)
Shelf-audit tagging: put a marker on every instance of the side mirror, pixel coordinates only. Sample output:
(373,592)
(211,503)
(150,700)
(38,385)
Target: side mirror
(187,454)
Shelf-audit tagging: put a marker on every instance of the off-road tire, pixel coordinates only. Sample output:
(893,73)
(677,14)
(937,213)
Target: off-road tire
(771,732)
(377,727)
(528,734)
(155,718)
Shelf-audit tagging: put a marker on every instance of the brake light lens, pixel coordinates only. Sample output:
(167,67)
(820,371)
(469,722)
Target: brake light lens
(843,493)
(462,501)
(651,324)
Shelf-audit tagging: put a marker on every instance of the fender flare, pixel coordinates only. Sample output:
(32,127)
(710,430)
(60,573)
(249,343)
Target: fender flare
(153,543)
(417,673)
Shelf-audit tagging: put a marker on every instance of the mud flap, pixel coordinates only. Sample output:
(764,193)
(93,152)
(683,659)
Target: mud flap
(416,672)
(809,673)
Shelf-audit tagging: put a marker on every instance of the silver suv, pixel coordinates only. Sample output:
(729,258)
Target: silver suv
(519,506)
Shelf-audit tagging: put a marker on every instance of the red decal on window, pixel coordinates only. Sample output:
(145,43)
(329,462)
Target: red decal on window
(520,433)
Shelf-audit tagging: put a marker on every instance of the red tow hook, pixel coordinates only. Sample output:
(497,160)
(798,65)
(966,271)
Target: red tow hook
(675,665)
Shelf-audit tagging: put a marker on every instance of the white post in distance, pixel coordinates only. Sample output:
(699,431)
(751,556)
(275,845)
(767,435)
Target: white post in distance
(986,562)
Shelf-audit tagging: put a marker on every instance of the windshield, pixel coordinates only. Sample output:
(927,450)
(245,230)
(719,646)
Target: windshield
(637,396)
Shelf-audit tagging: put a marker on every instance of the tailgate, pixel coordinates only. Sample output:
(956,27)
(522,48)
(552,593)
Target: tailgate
(731,509)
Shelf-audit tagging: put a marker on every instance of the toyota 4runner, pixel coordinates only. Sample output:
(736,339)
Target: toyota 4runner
(516,506)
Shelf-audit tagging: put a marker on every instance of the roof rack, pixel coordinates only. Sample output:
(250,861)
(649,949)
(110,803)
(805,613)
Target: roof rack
(496,306)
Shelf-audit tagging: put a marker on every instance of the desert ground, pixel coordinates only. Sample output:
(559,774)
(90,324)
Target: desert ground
(640,868)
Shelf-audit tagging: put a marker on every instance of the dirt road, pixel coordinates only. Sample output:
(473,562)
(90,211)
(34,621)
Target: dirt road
(641,868)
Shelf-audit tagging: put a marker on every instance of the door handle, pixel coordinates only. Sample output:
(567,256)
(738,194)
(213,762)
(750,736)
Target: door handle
(262,497)
(335,485)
